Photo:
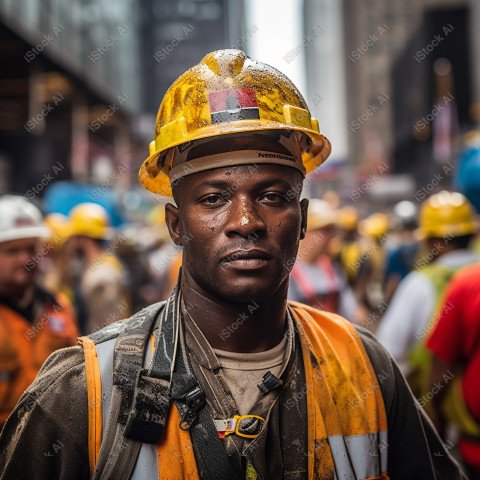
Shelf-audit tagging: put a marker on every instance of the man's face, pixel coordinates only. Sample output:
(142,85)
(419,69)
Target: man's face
(17,263)
(240,227)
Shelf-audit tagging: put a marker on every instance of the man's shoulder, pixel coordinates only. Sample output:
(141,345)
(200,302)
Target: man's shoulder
(63,366)
(319,317)
(113,330)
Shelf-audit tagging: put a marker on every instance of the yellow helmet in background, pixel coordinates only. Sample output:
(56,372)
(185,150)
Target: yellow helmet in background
(348,218)
(59,225)
(375,226)
(320,214)
(229,93)
(447,213)
(90,220)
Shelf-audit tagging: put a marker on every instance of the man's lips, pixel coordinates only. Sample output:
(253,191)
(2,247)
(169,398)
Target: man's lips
(246,259)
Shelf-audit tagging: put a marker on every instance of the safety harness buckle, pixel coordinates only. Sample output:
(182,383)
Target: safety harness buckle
(194,401)
(245,426)
(148,415)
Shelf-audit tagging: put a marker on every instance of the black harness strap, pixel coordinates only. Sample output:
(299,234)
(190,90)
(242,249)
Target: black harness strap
(151,395)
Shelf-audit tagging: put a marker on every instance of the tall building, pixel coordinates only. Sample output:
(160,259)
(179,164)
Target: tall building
(69,87)
(326,87)
(380,61)
(176,35)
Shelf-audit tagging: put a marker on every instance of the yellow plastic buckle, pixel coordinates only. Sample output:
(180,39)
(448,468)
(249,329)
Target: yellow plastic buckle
(235,424)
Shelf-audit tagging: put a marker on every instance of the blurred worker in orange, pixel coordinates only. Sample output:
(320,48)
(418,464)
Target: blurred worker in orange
(447,223)
(33,321)
(316,279)
(350,251)
(102,296)
(455,346)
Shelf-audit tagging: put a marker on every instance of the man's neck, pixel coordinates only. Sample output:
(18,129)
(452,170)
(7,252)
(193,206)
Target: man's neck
(251,327)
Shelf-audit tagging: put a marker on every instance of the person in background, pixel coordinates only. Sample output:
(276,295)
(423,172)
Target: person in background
(316,278)
(402,254)
(102,293)
(370,282)
(165,261)
(447,224)
(34,322)
(350,249)
(455,347)
(56,274)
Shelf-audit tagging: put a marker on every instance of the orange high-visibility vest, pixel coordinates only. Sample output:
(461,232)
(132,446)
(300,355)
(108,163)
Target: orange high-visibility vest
(347,423)
(25,346)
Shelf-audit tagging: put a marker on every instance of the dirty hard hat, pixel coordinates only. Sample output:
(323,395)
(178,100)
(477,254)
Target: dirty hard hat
(228,94)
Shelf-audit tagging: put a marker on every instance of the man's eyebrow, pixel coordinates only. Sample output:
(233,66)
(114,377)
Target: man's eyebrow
(224,184)
(271,183)
(220,184)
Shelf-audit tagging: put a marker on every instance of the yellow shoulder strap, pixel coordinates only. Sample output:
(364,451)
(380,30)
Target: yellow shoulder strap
(94,392)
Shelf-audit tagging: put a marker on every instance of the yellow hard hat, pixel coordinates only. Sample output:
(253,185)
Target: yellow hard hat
(447,213)
(90,220)
(229,93)
(59,225)
(320,214)
(348,218)
(376,225)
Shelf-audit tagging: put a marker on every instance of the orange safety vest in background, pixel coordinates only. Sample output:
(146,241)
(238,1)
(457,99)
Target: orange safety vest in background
(346,419)
(25,346)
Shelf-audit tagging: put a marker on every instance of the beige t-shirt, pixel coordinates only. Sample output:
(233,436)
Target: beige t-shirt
(244,371)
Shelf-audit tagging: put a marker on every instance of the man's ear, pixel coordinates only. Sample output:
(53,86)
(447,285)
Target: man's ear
(172,220)
(303,226)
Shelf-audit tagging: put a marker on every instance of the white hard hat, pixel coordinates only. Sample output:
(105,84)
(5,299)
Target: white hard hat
(20,219)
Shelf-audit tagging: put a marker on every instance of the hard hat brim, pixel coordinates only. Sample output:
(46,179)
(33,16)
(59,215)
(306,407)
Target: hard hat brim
(24,233)
(160,184)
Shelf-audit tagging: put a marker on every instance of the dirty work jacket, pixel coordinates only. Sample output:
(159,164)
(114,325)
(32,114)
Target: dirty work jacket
(53,414)
(26,343)
(346,420)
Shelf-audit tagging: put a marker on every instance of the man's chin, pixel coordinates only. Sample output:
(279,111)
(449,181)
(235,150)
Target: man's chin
(246,291)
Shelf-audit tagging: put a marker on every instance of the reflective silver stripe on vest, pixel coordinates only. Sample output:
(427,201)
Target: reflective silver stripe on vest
(147,462)
(360,456)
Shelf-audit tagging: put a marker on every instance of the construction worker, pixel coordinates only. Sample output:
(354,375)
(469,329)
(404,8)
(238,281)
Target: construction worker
(33,321)
(455,345)
(402,254)
(350,251)
(316,279)
(447,225)
(165,261)
(101,294)
(371,280)
(56,274)
(227,379)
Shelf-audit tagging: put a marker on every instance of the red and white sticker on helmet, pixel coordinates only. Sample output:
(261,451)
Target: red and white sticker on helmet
(232,105)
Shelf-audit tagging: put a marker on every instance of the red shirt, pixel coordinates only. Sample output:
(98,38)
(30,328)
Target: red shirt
(456,337)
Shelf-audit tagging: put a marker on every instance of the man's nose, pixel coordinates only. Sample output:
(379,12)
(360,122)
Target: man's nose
(245,220)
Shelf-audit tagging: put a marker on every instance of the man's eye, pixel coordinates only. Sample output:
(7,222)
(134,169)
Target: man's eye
(212,200)
(273,197)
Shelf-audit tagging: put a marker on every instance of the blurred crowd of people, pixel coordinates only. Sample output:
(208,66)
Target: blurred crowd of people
(410,274)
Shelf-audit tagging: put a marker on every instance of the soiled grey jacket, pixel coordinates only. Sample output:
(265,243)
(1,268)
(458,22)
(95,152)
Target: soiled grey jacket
(46,436)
